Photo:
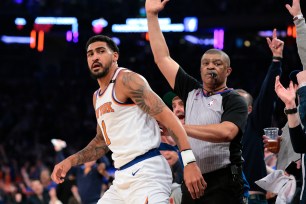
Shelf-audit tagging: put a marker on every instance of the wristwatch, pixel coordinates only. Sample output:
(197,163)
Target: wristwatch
(298,17)
(290,111)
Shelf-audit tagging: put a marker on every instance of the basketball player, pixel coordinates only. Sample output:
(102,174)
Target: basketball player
(126,111)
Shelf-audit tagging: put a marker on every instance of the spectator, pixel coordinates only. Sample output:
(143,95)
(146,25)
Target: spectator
(260,117)
(88,177)
(288,96)
(40,195)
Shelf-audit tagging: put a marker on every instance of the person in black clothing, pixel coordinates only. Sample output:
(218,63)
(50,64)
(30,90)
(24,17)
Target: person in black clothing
(260,116)
(40,194)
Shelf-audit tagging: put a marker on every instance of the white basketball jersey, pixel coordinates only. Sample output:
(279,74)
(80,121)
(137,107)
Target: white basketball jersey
(127,130)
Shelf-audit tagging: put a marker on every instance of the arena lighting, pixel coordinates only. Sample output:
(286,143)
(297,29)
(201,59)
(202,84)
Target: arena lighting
(20,22)
(33,39)
(219,38)
(40,41)
(191,24)
(139,25)
(98,25)
(15,39)
(69,36)
(291,31)
(239,42)
(199,41)
(61,21)
(116,40)
(269,33)
(18,1)
(143,21)
(142,12)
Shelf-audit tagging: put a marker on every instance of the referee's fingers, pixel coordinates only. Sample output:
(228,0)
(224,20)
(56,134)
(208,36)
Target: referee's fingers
(191,191)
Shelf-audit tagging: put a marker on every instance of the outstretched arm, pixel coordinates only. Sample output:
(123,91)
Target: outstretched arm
(161,54)
(93,151)
(295,8)
(137,88)
(299,21)
(263,106)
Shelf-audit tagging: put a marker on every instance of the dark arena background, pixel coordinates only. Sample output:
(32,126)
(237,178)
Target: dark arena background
(45,87)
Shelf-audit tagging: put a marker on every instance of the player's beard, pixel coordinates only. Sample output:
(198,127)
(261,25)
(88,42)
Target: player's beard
(100,74)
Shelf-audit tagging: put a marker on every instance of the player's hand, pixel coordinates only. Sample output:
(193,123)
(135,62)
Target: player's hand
(60,170)
(194,180)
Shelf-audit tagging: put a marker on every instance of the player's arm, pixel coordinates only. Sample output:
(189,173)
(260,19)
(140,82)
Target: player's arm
(136,88)
(159,47)
(94,150)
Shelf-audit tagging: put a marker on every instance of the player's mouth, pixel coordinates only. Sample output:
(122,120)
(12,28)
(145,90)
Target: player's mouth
(96,66)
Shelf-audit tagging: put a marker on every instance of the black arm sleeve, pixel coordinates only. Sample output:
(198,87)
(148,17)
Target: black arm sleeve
(184,84)
(298,139)
(235,110)
(261,115)
(302,107)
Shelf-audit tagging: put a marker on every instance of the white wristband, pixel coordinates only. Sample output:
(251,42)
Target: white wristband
(187,156)
(298,17)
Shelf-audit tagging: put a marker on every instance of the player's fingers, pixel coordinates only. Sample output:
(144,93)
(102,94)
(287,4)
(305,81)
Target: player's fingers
(54,176)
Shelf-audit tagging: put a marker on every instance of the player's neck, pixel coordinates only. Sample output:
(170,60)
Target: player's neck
(104,81)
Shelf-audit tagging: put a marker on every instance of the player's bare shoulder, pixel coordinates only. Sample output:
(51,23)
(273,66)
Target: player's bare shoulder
(129,83)
(131,79)
(138,89)
(94,98)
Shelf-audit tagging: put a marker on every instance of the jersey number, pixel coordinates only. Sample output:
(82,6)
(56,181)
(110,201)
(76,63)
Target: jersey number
(107,140)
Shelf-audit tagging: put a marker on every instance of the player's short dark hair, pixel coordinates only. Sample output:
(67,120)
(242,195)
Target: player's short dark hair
(102,38)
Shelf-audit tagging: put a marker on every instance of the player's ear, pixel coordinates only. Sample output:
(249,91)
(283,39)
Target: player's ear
(115,56)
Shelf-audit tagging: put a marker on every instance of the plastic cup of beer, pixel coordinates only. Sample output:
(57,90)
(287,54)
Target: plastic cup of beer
(272,133)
